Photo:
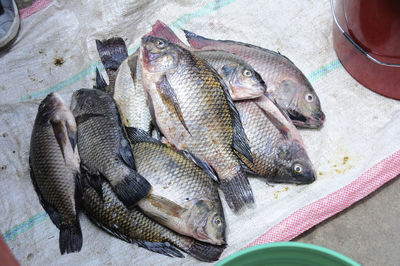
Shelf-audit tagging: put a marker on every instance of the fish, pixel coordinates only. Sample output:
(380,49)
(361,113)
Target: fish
(285,82)
(242,80)
(183,197)
(192,107)
(54,169)
(105,210)
(103,146)
(278,152)
(130,96)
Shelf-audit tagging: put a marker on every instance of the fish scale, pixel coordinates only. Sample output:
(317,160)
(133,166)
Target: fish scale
(207,123)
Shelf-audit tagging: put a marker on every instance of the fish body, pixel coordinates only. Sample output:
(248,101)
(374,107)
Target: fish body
(193,109)
(103,146)
(132,226)
(54,165)
(277,149)
(285,82)
(130,95)
(184,198)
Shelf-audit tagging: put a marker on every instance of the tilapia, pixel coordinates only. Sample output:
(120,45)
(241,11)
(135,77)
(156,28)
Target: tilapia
(130,95)
(277,149)
(242,80)
(54,166)
(193,109)
(285,82)
(105,210)
(184,198)
(103,146)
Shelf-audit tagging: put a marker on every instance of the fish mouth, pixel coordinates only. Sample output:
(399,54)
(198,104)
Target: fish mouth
(299,120)
(201,235)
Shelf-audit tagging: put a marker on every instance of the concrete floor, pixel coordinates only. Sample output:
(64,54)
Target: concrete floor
(367,232)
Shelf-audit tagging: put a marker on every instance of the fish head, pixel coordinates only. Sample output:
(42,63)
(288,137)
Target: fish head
(244,81)
(158,55)
(88,101)
(293,165)
(53,108)
(207,222)
(301,103)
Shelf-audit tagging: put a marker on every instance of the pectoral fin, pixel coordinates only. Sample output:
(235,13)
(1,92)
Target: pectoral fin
(61,135)
(169,98)
(167,206)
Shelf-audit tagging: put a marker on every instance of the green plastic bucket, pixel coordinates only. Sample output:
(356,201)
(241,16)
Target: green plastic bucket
(287,253)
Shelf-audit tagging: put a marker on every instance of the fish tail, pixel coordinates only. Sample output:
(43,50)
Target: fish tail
(237,190)
(205,251)
(112,52)
(132,188)
(70,237)
(197,41)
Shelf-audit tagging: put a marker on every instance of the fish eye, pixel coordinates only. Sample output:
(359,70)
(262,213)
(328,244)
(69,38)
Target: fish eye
(218,221)
(247,73)
(297,168)
(309,97)
(160,44)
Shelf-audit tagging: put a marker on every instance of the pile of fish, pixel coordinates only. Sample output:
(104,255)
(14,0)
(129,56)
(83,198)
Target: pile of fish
(144,155)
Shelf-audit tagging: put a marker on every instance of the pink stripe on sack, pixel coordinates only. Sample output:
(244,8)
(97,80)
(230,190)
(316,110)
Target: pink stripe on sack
(316,212)
(35,7)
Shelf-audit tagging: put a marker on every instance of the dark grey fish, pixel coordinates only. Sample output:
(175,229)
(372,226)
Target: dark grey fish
(54,165)
(103,146)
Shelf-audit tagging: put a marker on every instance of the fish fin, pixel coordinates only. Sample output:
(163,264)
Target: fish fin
(161,30)
(139,135)
(72,135)
(61,135)
(152,112)
(112,53)
(164,248)
(237,191)
(94,180)
(197,41)
(202,164)
(132,188)
(78,193)
(101,84)
(169,207)
(109,230)
(168,97)
(205,251)
(285,131)
(125,153)
(132,63)
(53,214)
(70,237)
(240,142)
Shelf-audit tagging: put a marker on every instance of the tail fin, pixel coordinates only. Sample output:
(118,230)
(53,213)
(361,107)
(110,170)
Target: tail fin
(197,41)
(237,191)
(112,52)
(132,188)
(70,238)
(204,251)
(101,84)
(161,30)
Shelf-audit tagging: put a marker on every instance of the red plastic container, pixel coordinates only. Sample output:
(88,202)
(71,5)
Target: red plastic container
(369,46)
